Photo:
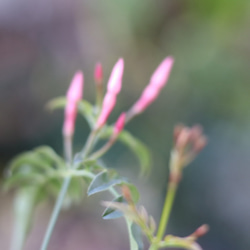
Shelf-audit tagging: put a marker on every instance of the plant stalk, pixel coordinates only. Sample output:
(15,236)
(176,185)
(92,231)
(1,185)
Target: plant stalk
(55,212)
(168,204)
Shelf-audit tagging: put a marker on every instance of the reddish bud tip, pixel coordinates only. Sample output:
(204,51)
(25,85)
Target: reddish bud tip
(161,74)
(201,231)
(120,123)
(98,74)
(115,80)
(74,94)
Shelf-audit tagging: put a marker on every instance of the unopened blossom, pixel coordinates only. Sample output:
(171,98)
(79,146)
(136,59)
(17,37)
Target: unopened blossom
(74,94)
(98,73)
(113,88)
(120,123)
(157,82)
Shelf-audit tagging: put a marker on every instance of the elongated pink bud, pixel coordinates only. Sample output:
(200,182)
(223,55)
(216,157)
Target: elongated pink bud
(75,90)
(107,106)
(98,74)
(115,80)
(74,94)
(161,74)
(113,88)
(151,92)
(120,123)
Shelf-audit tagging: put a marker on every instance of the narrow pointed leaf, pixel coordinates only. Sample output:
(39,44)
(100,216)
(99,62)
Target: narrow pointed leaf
(103,181)
(135,145)
(111,213)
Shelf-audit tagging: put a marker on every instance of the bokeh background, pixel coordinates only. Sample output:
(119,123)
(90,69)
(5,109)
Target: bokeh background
(42,44)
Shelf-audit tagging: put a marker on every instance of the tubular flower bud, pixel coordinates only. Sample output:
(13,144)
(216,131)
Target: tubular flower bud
(161,74)
(74,94)
(120,123)
(115,80)
(113,88)
(157,82)
(98,74)
(107,106)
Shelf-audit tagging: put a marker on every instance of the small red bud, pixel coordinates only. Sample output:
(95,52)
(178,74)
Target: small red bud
(98,74)
(120,123)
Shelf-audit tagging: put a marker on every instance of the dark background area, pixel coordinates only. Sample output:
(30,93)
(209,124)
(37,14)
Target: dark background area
(42,44)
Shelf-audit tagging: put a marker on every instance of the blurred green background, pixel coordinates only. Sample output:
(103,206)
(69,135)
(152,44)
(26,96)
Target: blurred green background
(42,44)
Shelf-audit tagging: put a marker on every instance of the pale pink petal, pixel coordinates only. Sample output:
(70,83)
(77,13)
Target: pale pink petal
(161,74)
(115,80)
(149,94)
(75,90)
(107,106)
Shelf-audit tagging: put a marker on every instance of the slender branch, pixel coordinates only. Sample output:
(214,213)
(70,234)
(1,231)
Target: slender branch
(172,187)
(55,212)
(128,222)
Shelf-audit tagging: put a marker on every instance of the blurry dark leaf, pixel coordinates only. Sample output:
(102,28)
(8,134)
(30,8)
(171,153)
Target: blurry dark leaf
(135,145)
(103,181)
(111,213)
(84,108)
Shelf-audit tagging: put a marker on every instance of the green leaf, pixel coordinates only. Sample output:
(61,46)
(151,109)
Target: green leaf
(24,179)
(103,181)
(137,235)
(135,145)
(48,154)
(84,108)
(31,159)
(25,201)
(111,213)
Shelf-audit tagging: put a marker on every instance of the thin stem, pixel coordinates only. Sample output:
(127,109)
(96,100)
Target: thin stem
(68,148)
(172,187)
(89,144)
(55,212)
(102,150)
(128,222)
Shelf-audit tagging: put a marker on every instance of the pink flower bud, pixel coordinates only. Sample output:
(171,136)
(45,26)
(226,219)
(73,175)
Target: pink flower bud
(74,94)
(157,82)
(115,80)
(114,87)
(75,90)
(161,74)
(149,94)
(107,106)
(98,74)
(120,123)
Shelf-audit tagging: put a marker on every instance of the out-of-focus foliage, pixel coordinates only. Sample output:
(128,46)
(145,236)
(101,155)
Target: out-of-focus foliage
(42,44)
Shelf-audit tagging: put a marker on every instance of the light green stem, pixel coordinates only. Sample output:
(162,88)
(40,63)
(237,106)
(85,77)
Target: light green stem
(55,212)
(172,187)
(132,242)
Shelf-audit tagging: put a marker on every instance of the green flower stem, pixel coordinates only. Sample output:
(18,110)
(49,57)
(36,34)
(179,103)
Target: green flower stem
(68,148)
(102,150)
(132,242)
(55,212)
(172,187)
(89,144)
